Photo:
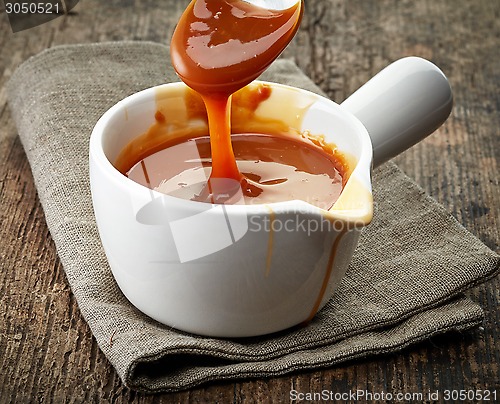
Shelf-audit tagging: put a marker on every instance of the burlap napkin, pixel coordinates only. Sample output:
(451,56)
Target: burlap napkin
(404,283)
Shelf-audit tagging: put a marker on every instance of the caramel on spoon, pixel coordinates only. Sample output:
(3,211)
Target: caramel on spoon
(218,47)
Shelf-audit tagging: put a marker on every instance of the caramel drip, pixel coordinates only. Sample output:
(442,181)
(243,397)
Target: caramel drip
(219,122)
(270,242)
(145,172)
(326,279)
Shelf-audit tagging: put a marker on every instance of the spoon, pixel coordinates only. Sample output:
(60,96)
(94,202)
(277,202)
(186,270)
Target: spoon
(222,46)
(273,4)
(217,48)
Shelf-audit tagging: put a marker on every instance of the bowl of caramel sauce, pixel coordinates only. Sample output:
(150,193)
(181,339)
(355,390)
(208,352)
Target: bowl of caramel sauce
(244,257)
(232,207)
(238,258)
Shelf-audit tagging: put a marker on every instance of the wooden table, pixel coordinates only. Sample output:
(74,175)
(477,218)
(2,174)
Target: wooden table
(47,352)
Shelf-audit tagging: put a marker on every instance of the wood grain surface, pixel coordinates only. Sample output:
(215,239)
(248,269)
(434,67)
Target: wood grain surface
(47,353)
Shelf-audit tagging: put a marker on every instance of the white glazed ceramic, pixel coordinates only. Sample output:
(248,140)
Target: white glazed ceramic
(273,4)
(245,270)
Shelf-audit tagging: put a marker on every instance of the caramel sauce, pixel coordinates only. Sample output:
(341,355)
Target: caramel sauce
(278,168)
(326,278)
(285,166)
(217,48)
(270,241)
(279,162)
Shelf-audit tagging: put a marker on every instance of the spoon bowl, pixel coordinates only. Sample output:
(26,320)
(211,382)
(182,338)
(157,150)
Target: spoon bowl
(219,47)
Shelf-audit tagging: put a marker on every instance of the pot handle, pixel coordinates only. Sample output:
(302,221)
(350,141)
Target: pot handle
(401,105)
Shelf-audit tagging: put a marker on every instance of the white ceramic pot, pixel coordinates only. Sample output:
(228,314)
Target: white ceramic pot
(245,270)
